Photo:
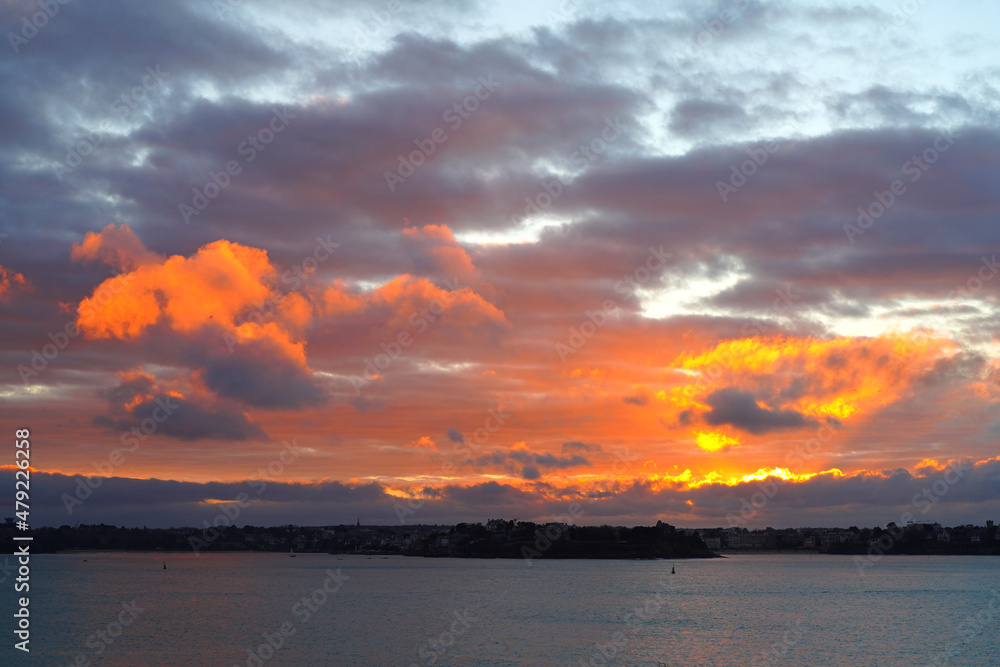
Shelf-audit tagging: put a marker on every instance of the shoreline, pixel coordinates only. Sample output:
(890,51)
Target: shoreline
(721,554)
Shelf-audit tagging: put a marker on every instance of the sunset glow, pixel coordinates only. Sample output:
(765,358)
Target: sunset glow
(503,264)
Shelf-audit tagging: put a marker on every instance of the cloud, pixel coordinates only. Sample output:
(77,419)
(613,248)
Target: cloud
(527,464)
(828,499)
(637,399)
(711,441)
(423,442)
(448,256)
(802,380)
(406,295)
(267,369)
(581,448)
(696,117)
(219,308)
(118,247)
(141,406)
(455,435)
(221,281)
(11,283)
(740,409)
(527,218)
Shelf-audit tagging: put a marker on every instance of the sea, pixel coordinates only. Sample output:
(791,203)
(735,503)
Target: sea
(265,610)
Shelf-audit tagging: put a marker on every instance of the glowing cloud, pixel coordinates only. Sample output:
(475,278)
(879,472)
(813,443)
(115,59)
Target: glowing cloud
(118,247)
(782,382)
(714,442)
(450,257)
(11,282)
(219,282)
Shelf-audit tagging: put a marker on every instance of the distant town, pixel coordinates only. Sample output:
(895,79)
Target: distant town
(499,538)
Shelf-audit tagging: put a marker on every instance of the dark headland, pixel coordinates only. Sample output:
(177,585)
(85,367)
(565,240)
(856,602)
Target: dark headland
(499,538)
(496,539)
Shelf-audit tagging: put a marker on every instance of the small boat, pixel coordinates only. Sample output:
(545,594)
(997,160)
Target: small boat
(291,553)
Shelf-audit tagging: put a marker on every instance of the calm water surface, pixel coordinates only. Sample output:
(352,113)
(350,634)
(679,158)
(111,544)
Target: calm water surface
(796,610)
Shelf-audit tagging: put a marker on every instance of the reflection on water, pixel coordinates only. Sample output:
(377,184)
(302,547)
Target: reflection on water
(268,610)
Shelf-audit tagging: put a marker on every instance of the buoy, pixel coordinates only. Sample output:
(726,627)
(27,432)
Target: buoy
(672,571)
(164,566)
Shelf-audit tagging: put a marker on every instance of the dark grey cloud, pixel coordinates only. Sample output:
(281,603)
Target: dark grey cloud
(140,408)
(637,399)
(739,409)
(581,448)
(887,105)
(864,499)
(697,117)
(257,374)
(529,465)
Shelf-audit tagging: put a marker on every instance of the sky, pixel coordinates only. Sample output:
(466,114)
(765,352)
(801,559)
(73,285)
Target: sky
(712,263)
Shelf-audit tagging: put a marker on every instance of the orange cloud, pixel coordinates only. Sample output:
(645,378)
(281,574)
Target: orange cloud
(226,295)
(11,282)
(275,337)
(423,442)
(450,257)
(116,246)
(339,300)
(842,378)
(407,295)
(218,283)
